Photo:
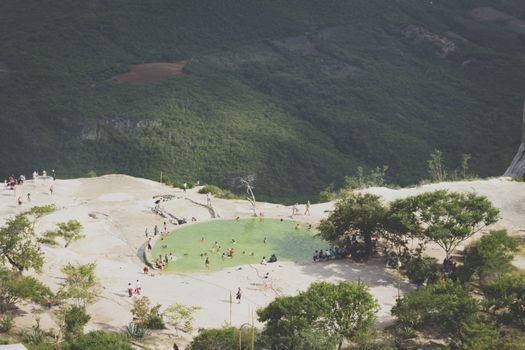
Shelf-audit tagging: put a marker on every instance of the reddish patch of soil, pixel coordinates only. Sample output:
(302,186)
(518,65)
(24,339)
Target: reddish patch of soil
(151,72)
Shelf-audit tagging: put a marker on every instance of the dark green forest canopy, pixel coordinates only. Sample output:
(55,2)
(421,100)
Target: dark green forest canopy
(298,93)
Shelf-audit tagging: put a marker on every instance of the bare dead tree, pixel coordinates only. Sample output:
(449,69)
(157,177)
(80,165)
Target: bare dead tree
(247,182)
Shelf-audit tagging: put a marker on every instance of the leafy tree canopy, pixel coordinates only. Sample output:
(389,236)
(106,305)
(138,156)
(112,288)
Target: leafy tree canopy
(445,218)
(362,214)
(98,340)
(18,246)
(506,296)
(79,284)
(491,255)
(220,339)
(15,287)
(340,310)
(443,308)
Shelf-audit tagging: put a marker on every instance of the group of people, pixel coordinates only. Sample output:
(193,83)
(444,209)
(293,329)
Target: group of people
(330,254)
(135,290)
(162,262)
(295,209)
(36,174)
(272,259)
(12,181)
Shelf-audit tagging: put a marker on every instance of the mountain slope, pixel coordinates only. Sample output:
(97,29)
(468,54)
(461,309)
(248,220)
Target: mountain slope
(297,92)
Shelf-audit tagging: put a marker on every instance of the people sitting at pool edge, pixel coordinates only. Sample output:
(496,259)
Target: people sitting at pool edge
(329,254)
(273,259)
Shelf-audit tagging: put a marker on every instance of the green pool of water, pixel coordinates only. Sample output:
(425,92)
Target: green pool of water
(188,243)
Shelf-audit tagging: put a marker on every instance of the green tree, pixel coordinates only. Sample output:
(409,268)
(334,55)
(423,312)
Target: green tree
(181,316)
(491,256)
(448,218)
(506,297)
(376,177)
(358,213)
(18,246)
(485,335)
(286,320)
(422,269)
(38,212)
(98,340)
(402,228)
(436,167)
(146,315)
(72,319)
(341,311)
(220,339)
(327,194)
(70,231)
(15,287)
(79,284)
(464,165)
(442,307)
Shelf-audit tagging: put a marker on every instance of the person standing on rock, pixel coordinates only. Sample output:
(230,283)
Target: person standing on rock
(208,199)
(238,295)
(130,290)
(184,186)
(155,230)
(307,210)
(137,287)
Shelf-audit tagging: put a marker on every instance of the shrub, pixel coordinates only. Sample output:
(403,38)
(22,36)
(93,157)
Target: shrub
(443,307)
(218,192)
(219,338)
(145,315)
(507,296)
(181,316)
(75,318)
(376,177)
(99,340)
(91,173)
(166,179)
(136,330)
(491,256)
(6,322)
(421,270)
(155,322)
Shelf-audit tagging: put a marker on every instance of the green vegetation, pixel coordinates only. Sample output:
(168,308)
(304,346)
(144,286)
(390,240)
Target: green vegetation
(79,283)
(221,338)
(298,93)
(218,192)
(69,231)
(438,171)
(181,316)
(356,214)
(18,246)
(282,239)
(14,287)
(145,315)
(490,257)
(98,340)
(445,218)
(361,180)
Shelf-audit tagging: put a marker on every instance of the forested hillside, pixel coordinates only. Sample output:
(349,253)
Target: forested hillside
(298,93)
